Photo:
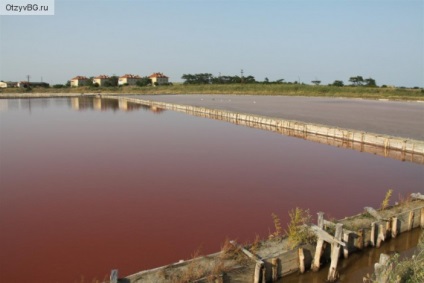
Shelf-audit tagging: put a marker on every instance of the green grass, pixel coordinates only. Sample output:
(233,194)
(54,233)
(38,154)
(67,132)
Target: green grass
(256,89)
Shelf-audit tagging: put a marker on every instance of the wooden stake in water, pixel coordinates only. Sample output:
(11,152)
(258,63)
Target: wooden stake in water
(318,251)
(274,269)
(114,276)
(335,253)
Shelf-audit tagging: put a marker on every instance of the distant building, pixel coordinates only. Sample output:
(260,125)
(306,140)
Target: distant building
(80,81)
(8,84)
(128,79)
(159,79)
(101,80)
(25,84)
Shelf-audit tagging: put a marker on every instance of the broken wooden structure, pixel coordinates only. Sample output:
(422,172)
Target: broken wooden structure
(273,258)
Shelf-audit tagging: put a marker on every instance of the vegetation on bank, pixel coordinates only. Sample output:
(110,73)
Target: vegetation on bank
(240,89)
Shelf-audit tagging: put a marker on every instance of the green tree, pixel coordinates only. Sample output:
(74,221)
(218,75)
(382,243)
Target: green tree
(249,80)
(114,80)
(337,83)
(107,83)
(202,78)
(357,81)
(89,82)
(144,81)
(316,82)
(370,82)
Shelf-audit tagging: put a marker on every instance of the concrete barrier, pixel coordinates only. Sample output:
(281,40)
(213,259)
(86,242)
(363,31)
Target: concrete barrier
(387,146)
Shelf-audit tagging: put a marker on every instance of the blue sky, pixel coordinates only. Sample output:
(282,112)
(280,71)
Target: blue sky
(307,40)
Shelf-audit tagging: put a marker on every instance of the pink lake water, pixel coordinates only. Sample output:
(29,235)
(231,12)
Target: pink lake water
(86,187)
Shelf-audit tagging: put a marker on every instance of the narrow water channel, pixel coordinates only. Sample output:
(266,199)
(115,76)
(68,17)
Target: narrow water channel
(90,185)
(358,265)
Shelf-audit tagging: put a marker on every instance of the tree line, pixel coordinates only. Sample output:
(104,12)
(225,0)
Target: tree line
(207,78)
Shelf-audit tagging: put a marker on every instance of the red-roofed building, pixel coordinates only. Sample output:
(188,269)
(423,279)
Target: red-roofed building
(80,81)
(158,79)
(128,79)
(101,79)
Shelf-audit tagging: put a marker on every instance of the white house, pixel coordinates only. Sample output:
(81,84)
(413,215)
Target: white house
(128,79)
(101,79)
(159,79)
(8,84)
(79,81)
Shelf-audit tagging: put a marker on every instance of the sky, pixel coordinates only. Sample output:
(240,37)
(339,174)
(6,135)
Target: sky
(301,40)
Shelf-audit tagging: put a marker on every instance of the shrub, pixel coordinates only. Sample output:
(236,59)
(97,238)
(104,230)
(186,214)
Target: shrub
(297,230)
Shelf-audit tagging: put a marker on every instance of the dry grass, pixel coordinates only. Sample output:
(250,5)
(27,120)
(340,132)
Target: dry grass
(257,89)
(256,245)
(298,231)
(386,200)
(277,225)
(231,252)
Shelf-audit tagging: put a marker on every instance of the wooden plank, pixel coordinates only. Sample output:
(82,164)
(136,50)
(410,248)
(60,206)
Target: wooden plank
(260,265)
(325,236)
(375,214)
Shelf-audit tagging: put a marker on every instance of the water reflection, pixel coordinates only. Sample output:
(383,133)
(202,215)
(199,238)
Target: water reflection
(76,103)
(104,104)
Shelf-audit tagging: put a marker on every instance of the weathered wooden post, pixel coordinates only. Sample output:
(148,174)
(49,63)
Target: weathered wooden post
(274,269)
(410,220)
(114,276)
(422,217)
(335,253)
(381,234)
(394,226)
(320,242)
(258,272)
(346,239)
(373,233)
(360,239)
(263,274)
(301,260)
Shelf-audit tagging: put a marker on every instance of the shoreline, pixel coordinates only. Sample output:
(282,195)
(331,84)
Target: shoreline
(374,93)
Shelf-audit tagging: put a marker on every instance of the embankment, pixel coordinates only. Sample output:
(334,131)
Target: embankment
(384,145)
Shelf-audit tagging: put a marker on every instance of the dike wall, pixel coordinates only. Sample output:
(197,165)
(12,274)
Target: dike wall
(388,146)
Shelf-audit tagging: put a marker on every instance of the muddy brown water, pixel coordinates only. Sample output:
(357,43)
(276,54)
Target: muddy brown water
(357,266)
(86,187)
